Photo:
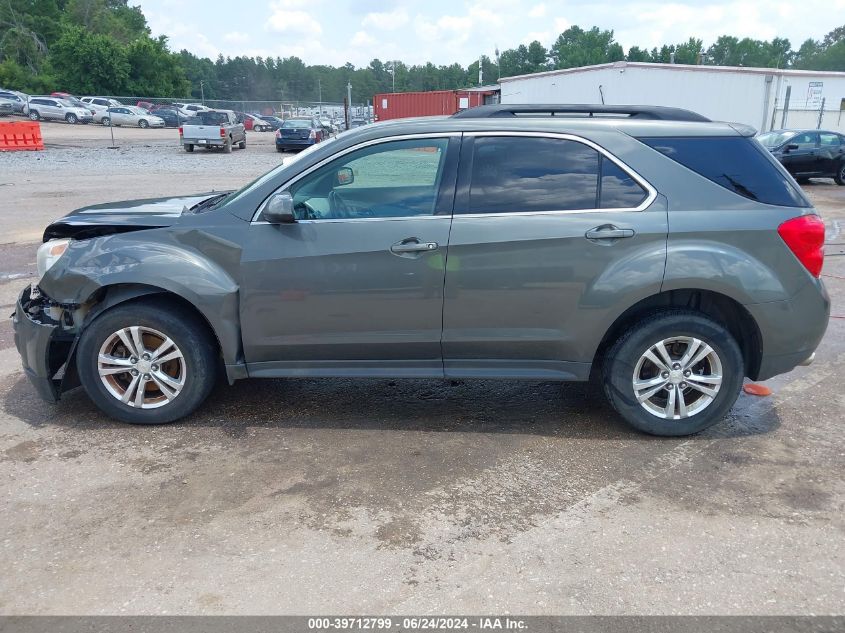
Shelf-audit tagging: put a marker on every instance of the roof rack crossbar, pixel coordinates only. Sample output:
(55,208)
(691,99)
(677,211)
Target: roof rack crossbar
(655,113)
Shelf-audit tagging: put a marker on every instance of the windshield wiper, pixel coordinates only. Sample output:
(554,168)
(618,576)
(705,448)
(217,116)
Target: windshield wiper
(208,203)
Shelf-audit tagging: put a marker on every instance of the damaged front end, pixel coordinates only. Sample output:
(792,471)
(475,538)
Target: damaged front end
(46,335)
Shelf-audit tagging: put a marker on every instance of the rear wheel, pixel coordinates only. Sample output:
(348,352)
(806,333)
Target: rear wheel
(147,363)
(227,146)
(675,373)
(242,144)
(189,148)
(106,121)
(840,174)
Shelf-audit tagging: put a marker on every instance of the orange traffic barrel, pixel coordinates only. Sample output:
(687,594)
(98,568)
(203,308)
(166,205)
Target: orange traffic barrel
(20,135)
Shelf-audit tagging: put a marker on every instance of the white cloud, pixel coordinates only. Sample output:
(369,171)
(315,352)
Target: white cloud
(386,20)
(362,38)
(236,37)
(285,18)
(537,11)
(561,24)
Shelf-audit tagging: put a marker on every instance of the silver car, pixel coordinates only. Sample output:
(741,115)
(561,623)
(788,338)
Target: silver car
(57,109)
(131,115)
(6,107)
(18,100)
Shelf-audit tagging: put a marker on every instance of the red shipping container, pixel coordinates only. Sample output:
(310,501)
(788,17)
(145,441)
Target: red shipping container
(399,105)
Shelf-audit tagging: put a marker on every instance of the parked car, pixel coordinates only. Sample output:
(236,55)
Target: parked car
(55,109)
(274,121)
(357,123)
(61,95)
(808,153)
(171,116)
(193,108)
(299,133)
(213,128)
(18,100)
(101,103)
(131,116)
(252,122)
(666,254)
(7,107)
(328,128)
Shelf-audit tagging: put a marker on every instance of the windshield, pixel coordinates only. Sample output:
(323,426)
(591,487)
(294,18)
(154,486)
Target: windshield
(270,175)
(297,123)
(775,139)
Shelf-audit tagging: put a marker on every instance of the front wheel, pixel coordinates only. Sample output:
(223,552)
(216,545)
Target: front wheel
(71,118)
(34,116)
(839,178)
(675,373)
(147,363)
(143,124)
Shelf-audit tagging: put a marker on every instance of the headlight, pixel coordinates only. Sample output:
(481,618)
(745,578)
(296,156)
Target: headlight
(49,253)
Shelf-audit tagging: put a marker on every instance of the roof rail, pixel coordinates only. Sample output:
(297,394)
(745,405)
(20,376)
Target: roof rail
(655,113)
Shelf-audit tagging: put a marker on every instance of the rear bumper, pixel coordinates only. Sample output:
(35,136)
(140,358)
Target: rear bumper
(294,143)
(791,330)
(203,142)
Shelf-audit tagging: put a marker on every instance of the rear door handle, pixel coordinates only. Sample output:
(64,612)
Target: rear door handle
(608,232)
(413,246)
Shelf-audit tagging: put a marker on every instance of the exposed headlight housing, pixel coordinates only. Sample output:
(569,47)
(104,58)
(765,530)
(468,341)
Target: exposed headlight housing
(49,253)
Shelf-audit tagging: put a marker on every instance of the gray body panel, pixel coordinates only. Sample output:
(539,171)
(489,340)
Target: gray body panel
(515,296)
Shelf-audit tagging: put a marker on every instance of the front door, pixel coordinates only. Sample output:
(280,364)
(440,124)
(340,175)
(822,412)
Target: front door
(804,160)
(549,235)
(355,285)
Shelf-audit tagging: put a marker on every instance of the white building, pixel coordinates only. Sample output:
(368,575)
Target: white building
(754,96)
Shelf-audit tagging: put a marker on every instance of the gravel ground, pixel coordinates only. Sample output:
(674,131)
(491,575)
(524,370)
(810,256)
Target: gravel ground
(343,496)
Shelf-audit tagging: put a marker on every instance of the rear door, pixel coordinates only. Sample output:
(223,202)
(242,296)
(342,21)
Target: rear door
(549,235)
(831,152)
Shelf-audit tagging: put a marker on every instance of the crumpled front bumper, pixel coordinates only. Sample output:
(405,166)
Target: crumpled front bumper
(43,346)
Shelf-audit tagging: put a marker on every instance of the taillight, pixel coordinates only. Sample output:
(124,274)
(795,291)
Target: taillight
(804,236)
(278,134)
(222,132)
(313,135)
(180,130)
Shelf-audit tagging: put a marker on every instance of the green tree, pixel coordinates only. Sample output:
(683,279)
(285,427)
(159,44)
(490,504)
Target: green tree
(577,47)
(87,63)
(154,70)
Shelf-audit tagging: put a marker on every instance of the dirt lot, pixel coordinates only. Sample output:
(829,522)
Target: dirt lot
(394,497)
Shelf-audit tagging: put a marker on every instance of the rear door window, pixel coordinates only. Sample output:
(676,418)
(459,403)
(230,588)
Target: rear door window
(515,174)
(736,163)
(828,139)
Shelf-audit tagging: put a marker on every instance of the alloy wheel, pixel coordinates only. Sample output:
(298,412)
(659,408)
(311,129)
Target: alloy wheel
(141,367)
(677,377)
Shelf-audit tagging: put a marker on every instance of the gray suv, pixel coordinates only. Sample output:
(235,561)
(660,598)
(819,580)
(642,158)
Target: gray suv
(662,254)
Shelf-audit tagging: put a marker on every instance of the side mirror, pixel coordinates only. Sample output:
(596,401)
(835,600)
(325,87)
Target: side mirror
(791,147)
(279,209)
(344,176)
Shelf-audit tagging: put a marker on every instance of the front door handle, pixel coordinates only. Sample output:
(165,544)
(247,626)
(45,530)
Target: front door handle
(412,246)
(608,232)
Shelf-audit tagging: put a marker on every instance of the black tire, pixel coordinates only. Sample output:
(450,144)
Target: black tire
(143,124)
(227,146)
(242,144)
(189,148)
(71,118)
(186,330)
(281,150)
(623,356)
(839,177)
(34,116)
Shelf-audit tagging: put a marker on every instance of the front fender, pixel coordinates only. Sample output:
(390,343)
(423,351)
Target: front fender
(199,267)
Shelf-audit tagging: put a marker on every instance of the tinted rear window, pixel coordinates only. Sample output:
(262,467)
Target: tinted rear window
(738,164)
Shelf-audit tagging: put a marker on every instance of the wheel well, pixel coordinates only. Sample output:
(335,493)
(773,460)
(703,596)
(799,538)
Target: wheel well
(721,308)
(113,296)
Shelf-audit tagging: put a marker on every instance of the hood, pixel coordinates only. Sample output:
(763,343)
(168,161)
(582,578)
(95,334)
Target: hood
(129,215)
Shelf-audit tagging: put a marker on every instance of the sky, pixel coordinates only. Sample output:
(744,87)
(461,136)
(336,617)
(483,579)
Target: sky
(445,31)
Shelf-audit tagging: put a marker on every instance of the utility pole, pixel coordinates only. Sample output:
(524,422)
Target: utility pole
(320,95)
(202,93)
(349,102)
(480,72)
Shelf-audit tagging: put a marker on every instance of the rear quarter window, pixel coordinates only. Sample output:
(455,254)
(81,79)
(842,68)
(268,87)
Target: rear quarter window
(736,163)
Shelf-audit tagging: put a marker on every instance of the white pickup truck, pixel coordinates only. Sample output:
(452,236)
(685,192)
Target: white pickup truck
(213,128)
